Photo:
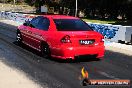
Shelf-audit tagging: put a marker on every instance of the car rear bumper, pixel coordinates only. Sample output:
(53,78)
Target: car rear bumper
(65,52)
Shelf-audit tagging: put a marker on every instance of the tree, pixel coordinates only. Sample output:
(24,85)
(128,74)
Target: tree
(102,9)
(39,3)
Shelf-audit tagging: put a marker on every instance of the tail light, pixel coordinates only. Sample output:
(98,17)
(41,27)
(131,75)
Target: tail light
(66,39)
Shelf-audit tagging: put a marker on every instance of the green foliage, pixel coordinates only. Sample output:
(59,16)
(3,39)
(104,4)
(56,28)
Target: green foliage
(100,9)
(104,9)
(37,3)
(12,1)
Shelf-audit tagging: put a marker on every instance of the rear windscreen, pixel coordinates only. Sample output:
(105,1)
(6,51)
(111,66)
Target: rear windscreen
(71,25)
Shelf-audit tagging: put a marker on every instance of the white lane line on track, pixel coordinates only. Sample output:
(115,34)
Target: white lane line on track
(107,75)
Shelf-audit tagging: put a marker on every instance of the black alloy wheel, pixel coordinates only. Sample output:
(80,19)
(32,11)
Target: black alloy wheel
(18,38)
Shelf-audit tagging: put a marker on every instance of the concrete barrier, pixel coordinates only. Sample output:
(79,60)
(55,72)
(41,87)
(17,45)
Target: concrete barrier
(114,33)
(19,17)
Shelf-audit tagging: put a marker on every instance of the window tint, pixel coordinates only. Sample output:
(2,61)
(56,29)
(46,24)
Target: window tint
(43,24)
(34,22)
(71,25)
(40,23)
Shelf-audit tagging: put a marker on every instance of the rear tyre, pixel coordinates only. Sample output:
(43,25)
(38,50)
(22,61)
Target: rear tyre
(18,38)
(45,51)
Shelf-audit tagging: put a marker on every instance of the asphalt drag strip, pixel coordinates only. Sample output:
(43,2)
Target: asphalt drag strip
(54,73)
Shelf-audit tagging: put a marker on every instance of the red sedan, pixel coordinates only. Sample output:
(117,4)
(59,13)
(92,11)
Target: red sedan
(61,36)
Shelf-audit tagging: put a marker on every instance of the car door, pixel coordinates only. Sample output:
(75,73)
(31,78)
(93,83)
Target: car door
(28,32)
(40,32)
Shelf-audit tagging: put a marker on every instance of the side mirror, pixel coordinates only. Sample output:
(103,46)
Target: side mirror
(25,24)
(31,25)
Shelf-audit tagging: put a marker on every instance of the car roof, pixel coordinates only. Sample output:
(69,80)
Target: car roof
(60,17)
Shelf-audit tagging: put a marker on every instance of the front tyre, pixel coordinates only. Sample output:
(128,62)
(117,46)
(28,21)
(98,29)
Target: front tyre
(18,37)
